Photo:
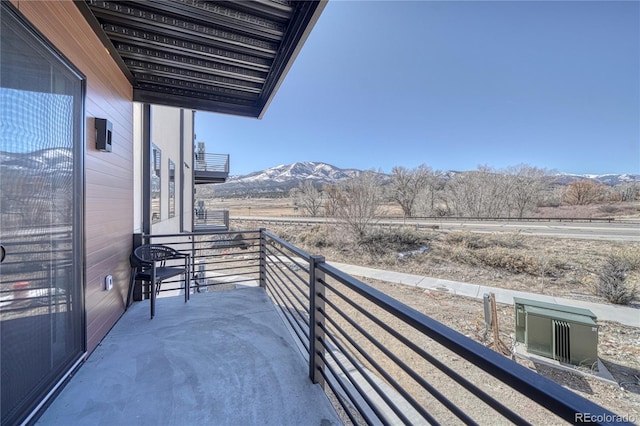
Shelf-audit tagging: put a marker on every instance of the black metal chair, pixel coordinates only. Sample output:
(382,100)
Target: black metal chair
(148,263)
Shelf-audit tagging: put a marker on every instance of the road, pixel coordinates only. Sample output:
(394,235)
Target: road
(614,231)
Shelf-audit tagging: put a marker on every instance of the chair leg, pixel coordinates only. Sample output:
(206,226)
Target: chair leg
(187,287)
(153,298)
(153,291)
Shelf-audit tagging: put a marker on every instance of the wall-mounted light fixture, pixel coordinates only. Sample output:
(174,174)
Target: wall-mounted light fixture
(104,129)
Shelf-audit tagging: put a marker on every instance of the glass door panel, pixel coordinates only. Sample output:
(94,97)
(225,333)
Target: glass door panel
(41,305)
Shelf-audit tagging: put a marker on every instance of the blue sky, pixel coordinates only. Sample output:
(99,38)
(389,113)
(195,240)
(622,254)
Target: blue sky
(453,85)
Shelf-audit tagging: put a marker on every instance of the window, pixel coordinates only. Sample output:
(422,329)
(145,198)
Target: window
(156,183)
(172,189)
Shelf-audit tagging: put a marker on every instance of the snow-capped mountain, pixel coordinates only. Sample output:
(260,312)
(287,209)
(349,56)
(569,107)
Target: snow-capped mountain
(318,172)
(606,179)
(279,179)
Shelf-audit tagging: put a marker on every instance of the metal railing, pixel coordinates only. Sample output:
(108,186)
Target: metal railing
(204,218)
(217,258)
(211,162)
(383,362)
(34,276)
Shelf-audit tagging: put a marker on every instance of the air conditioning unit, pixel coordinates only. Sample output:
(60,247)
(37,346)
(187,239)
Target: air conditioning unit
(563,333)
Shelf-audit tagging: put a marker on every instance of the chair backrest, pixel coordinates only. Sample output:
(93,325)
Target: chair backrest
(147,253)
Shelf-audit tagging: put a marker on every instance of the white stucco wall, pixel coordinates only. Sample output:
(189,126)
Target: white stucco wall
(165,134)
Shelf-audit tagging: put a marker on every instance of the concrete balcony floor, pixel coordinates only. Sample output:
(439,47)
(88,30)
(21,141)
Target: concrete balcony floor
(223,358)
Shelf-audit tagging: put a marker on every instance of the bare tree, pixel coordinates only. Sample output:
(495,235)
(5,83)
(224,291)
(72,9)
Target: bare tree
(308,197)
(481,193)
(488,192)
(332,195)
(407,185)
(359,203)
(528,184)
(629,191)
(583,192)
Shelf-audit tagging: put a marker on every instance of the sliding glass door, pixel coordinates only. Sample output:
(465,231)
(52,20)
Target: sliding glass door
(41,284)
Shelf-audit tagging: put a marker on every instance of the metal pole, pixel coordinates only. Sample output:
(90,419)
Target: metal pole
(263,260)
(316,320)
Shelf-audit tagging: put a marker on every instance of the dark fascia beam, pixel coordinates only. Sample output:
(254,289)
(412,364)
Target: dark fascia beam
(207,88)
(158,98)
(84,9)
(304,19)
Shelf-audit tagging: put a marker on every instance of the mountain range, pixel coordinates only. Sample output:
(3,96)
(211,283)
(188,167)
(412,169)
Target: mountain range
(279,180)
(276,180)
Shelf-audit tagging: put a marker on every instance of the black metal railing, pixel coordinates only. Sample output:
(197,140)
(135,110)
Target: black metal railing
(205,219)
(383,362)
(217,258)
(211,162)
(35,275)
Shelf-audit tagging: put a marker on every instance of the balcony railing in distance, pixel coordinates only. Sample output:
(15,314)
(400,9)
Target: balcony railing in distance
(381,361)
(204,219)
(210,168)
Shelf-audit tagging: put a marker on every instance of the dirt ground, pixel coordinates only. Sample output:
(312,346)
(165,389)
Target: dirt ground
(618,347)
(563,267)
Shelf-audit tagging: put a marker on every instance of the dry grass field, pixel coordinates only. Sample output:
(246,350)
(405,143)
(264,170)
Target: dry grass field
(256,206)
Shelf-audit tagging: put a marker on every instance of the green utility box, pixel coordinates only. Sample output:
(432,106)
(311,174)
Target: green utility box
(563,333)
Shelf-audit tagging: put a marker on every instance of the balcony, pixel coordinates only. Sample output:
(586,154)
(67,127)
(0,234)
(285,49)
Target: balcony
(250,355)
(223,358)
(210,168)
(210,220)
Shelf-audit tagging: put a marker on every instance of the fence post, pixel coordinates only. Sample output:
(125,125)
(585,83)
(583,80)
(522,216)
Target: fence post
(263,260)
(316,320)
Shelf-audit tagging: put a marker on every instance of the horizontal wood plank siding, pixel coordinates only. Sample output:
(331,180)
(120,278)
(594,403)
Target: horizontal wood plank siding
(108,176)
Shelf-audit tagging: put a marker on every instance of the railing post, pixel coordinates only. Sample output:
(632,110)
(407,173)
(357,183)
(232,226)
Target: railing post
(316,320)
(263,259)
(138,291)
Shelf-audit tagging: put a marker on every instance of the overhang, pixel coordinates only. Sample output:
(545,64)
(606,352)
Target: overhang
(218,56)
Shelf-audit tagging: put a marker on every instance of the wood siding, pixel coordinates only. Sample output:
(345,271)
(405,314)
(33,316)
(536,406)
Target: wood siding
(108,176)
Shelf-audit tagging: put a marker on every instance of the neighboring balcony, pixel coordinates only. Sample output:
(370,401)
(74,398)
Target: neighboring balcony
(210,220)
(210,168)
(292,327)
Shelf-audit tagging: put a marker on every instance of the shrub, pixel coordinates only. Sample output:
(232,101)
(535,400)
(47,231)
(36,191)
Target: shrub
(508,239)
(497,251)
(380,241)
(612,284)
(479,241)
(316,236)
(466,239)
(630,256)
(508,260)
(609,209)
